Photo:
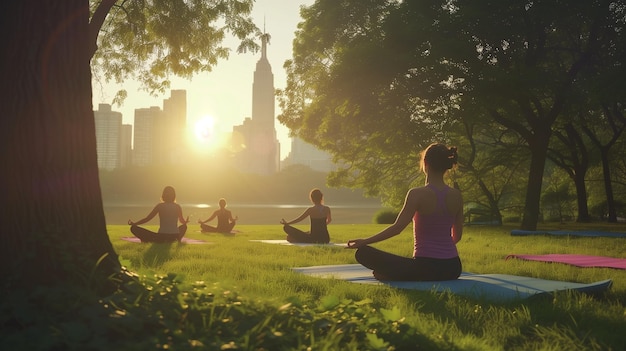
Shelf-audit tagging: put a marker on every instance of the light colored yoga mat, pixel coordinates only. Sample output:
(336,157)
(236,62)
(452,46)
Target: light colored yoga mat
(285,242)
(134,239)
(494,287)
(588,233)
(576,260)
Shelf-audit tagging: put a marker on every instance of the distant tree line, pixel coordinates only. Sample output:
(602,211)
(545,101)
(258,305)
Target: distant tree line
(202,184)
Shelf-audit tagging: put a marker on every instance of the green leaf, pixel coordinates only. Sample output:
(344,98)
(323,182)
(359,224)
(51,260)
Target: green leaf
(328,302)
(393,314)
(375,342)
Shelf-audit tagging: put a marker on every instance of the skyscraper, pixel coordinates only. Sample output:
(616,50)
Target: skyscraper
(160,135)
(261,154)
(173,139)
(108,137)
(126,144)
(146,135)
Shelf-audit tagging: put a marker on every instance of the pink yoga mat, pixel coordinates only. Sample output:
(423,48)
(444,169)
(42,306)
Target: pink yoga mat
(576,260)
(134,239)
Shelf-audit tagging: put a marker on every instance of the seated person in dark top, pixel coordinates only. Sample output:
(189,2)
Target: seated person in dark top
(320,217)
(225,220)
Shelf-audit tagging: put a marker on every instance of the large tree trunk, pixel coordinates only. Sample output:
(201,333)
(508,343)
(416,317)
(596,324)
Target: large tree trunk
(53,221)
(608,185)
(581,197)
(580,165)
(533,190)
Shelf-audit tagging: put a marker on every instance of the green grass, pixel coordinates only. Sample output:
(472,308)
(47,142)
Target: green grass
(261,272)
(237,294)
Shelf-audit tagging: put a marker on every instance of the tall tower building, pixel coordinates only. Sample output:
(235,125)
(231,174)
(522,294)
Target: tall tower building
(108,137)
(263,101)
(262,150)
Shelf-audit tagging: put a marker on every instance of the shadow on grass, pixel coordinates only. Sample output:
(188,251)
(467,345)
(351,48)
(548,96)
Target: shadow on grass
(159,253)
(537,318)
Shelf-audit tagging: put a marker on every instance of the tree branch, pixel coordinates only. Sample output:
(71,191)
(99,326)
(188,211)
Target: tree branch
(96,23)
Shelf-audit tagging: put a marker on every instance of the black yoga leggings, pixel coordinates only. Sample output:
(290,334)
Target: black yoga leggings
(295,235)
(210,229)
(387,266)
(148,236)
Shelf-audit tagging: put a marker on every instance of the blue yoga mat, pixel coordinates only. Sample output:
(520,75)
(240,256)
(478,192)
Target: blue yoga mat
(493,287)
(590,233)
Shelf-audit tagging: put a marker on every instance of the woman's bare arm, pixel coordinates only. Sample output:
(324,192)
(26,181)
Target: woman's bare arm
(150,215)
(404,218)
(304,215)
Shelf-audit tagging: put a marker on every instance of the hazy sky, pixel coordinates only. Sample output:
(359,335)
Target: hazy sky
(226,92)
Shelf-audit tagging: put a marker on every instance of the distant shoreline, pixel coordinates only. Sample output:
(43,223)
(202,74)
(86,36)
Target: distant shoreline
(247,213)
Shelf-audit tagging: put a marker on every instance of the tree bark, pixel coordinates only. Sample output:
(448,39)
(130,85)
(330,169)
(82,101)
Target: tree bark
(53,219)
(608,186)
(581,197)
(538,151)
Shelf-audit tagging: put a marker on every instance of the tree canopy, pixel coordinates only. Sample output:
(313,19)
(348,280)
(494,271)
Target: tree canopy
(149,41)
(375,81)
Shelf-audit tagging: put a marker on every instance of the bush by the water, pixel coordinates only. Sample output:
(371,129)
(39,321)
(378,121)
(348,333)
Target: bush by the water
(385,216)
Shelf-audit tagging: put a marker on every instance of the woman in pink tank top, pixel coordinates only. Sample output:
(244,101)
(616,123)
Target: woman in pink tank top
(436,211)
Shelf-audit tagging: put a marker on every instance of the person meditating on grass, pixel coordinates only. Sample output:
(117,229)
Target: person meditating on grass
(437,214)
(225,220)
(169,214)
(320,217)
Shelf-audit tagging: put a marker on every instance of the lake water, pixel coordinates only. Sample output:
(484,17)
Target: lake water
(248,213)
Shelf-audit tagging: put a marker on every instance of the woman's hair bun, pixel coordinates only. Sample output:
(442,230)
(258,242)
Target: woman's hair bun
(439,157)
(453,155)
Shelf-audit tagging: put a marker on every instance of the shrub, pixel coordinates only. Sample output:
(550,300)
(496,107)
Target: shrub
(163,312)
(385,216)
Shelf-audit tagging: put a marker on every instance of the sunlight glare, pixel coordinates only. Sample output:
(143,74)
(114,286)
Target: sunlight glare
(205,129)
(205,135)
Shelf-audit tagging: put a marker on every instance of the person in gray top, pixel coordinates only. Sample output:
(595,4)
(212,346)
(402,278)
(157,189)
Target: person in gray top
(169,214)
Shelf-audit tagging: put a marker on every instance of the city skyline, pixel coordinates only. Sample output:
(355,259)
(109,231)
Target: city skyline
(225,94)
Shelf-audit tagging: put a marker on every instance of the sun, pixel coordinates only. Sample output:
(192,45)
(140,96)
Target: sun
(204,136)
(204,129)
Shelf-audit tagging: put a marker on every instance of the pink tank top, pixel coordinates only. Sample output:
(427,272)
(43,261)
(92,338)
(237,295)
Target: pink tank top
(432,233)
